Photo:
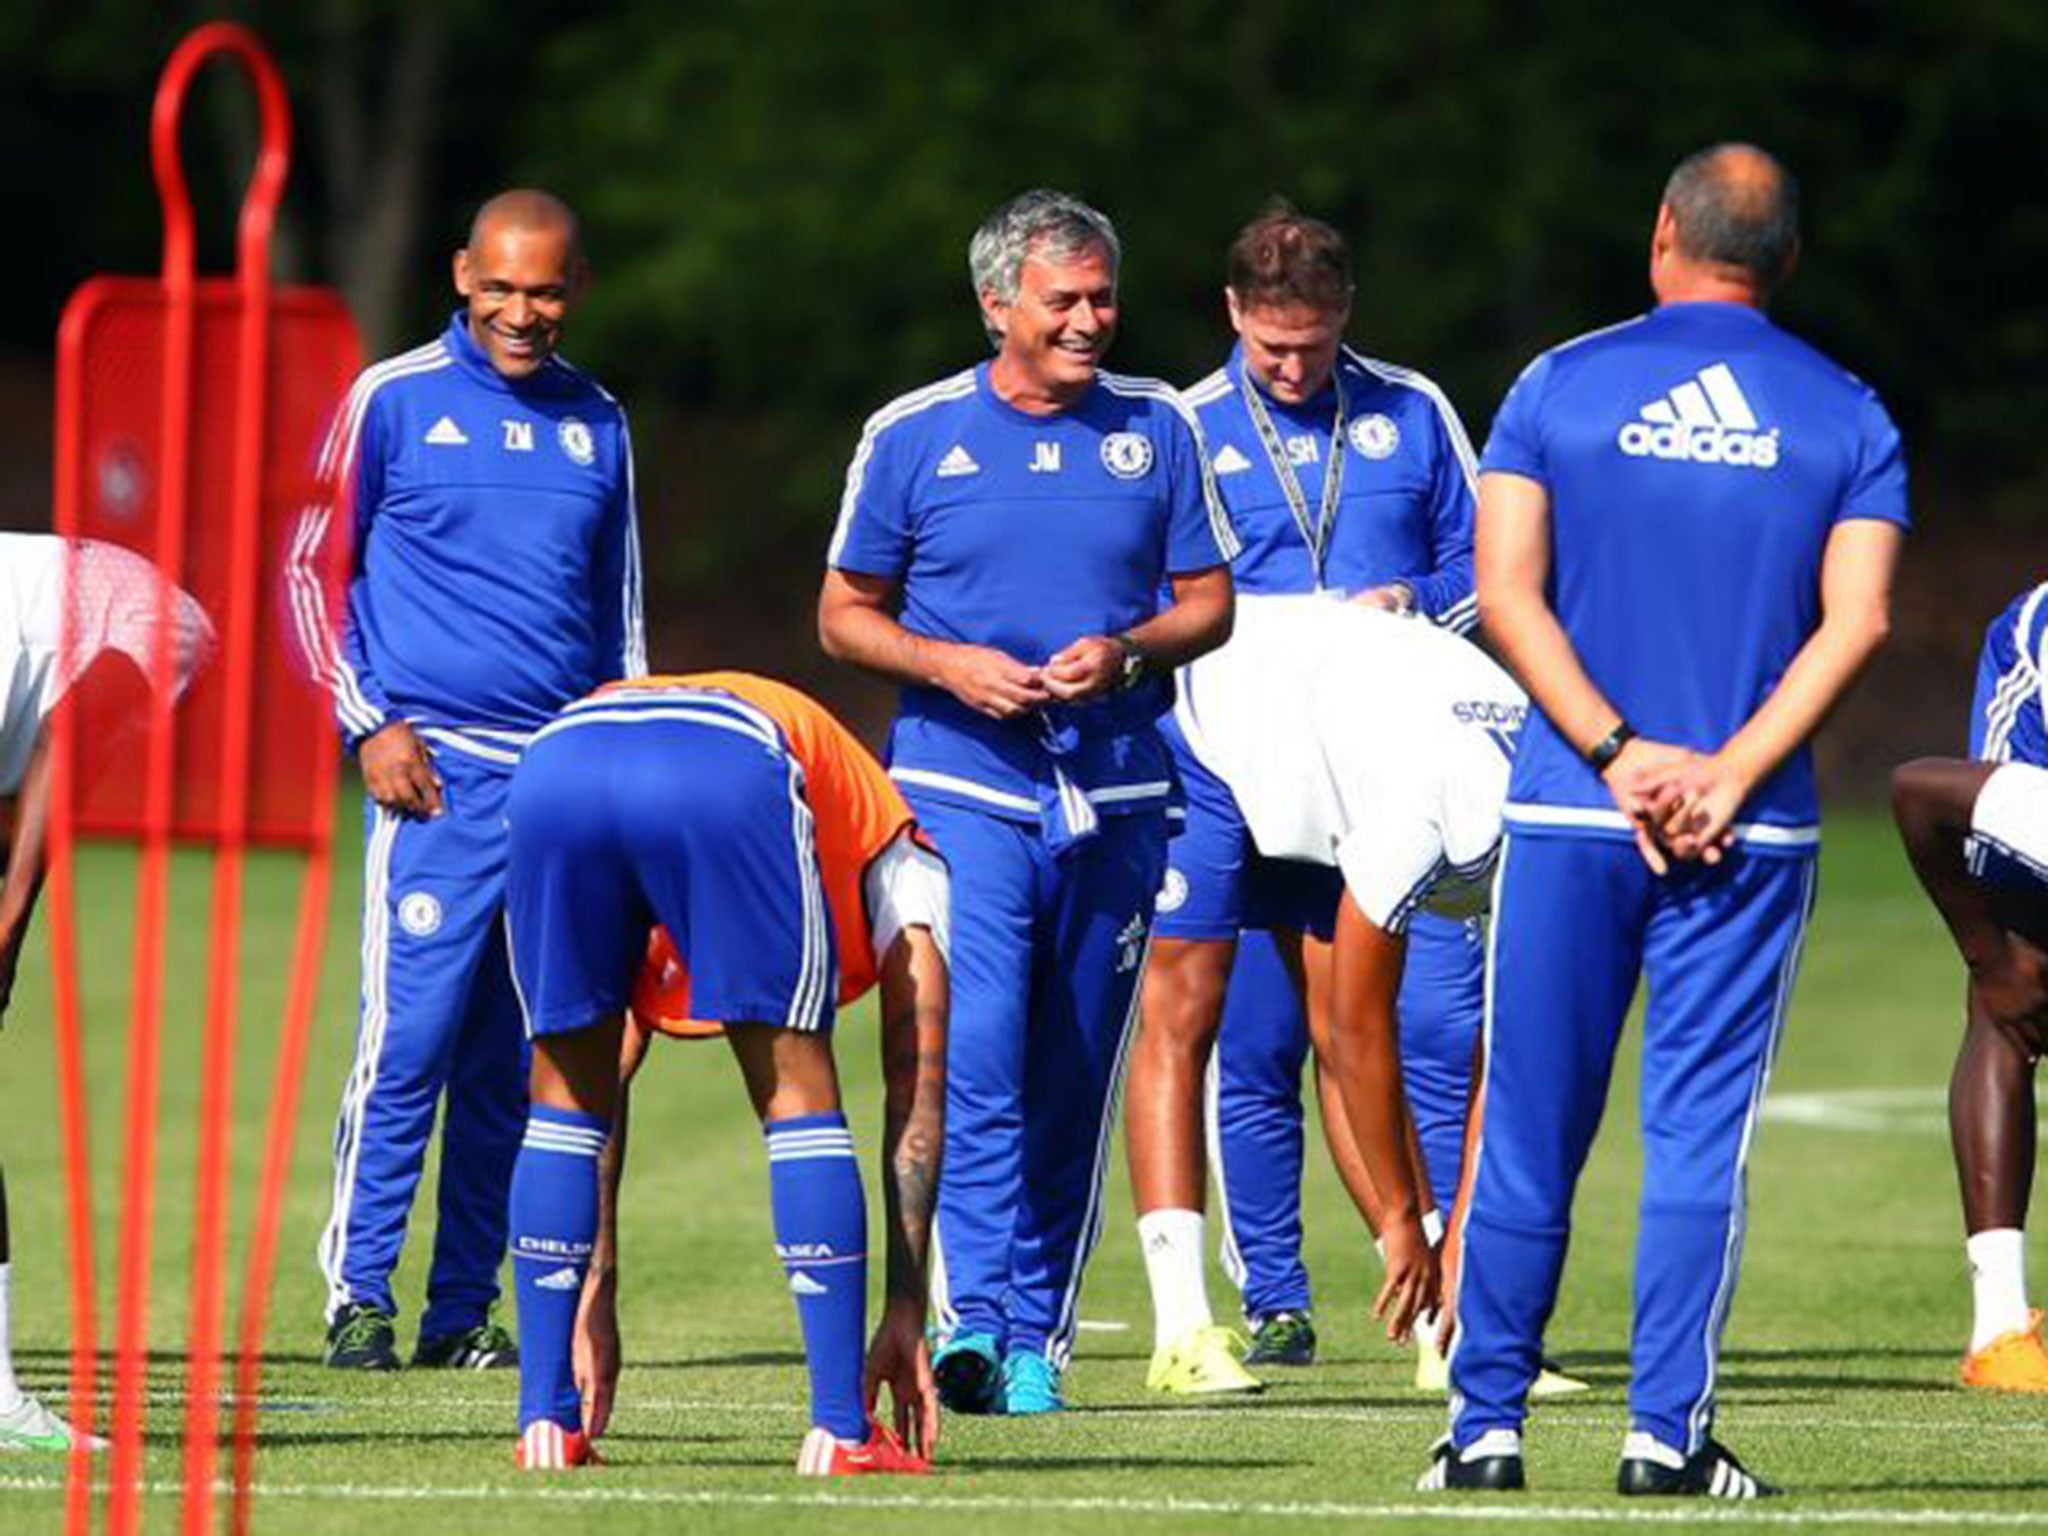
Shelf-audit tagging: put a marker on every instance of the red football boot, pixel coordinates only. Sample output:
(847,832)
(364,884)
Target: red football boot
(547,1447)
(824,1454)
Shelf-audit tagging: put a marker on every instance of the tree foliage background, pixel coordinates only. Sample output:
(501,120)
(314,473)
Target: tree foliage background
(777,202)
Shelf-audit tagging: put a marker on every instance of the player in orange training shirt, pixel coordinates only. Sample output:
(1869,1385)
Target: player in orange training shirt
(749,824)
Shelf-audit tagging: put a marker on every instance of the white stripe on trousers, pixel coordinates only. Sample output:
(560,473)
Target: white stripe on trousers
(944,1318)
(1060,1347)
(1234,1267)
(376,1015)
(1459,1333)
(817,975)
(1700,1419)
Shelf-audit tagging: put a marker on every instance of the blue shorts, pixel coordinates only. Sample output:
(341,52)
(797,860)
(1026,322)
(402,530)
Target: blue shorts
(690,814)
(1218,883)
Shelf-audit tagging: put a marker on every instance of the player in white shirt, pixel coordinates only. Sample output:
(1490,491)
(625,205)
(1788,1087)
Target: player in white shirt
(105,670)
(1362,741)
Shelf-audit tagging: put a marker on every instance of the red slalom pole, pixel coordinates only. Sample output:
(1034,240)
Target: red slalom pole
(62,895)
(238,662)
(138,1211)
(238,380)
(277,1156)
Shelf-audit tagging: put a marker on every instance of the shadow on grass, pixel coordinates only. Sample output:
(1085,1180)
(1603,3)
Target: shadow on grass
(1758,1370)
(740,1358)
(1030,1466)
(1167,1408)
(1927,1486)
(647,1448)
(1799,1356)
(178,1359)
(1036,1465)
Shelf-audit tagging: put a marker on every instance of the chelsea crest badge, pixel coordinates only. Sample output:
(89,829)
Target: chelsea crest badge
(1375,436)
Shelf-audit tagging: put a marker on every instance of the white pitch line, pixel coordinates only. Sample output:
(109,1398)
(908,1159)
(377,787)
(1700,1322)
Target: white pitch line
(1882,1111)
(1601,1417)
(1453,1512)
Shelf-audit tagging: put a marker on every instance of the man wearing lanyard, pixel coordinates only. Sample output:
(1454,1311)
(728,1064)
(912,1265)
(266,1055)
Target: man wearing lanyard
(1353,478)
(1002,550)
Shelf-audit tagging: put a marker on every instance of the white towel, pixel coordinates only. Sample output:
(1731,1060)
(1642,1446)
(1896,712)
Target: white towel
(1357,739)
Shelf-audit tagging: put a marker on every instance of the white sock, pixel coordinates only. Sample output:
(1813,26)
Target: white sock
(1998,1283)
(1641,1445)
(1426,1332)
(10,1389)
(1172,1241)
(1495,1442)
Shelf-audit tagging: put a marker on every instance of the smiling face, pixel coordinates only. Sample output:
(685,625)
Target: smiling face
(520,280)
(1289,349)
(1055,332)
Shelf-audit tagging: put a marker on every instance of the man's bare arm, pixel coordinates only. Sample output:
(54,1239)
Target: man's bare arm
(1511,567)
(857,623)
(596,1352)
(1365,1058)
(1933,801)
(914,1012)
(1198,620)
(26,850)
(1855,600)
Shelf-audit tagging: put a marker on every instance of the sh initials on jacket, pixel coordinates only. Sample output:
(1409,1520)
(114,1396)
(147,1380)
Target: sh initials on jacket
(1045,458)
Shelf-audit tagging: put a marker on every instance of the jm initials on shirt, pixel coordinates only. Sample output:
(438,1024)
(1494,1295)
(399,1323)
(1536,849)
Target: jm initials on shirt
(518,436)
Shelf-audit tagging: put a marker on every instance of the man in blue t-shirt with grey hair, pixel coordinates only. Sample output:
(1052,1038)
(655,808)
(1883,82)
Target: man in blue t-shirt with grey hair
(1030,547)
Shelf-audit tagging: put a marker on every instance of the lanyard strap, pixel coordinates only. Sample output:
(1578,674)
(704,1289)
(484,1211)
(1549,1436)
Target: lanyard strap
(1315,535)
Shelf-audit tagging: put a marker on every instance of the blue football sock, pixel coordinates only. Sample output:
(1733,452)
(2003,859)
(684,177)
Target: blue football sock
(821,1238)
(554,1225)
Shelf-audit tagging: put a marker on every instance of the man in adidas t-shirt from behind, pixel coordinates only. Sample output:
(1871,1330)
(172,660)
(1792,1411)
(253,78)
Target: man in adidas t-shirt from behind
(1686,534)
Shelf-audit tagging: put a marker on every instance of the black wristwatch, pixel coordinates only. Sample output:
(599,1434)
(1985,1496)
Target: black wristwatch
(1608,747)
(1133,670)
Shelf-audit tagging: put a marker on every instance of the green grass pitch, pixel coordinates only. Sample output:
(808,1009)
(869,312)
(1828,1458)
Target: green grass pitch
(1837,1378)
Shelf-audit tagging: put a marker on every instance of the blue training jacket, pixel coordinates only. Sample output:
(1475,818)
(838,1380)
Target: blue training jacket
(496,571)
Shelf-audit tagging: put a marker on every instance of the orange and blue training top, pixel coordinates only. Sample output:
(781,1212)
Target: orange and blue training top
(858,812)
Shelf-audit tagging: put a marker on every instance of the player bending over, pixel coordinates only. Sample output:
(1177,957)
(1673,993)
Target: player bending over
(114,604)
(1360,741)
(1977,834)
(739,816)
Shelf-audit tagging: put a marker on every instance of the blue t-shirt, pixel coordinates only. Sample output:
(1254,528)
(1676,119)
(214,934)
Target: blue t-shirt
(497,565)
(2009,714)
(1405,509)
(1697,459)
(1024,533)
(2007,719)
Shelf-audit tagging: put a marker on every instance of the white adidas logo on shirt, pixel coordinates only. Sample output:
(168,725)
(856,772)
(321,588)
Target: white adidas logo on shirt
(958,461)
(1230,461)
(1706,420)
(445,434)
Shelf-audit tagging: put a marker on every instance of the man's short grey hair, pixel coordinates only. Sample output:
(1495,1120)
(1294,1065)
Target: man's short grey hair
(1041,222)
(1736,205)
